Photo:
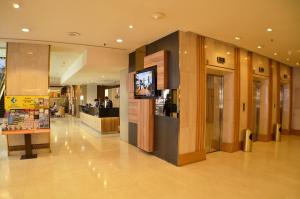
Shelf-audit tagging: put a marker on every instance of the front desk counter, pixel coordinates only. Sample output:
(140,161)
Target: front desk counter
(104,120)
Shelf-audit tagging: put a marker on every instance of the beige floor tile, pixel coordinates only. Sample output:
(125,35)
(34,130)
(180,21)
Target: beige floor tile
(85,164)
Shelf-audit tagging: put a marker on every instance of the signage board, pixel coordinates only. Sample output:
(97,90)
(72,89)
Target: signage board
(26,102)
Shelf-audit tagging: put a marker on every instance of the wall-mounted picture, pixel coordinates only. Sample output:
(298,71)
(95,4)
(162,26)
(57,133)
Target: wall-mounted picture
(145,83)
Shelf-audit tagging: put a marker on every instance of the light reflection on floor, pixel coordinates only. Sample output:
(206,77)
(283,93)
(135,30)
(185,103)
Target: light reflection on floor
(84,164)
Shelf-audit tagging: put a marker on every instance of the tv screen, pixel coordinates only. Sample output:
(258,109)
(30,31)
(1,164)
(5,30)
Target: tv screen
(145,83)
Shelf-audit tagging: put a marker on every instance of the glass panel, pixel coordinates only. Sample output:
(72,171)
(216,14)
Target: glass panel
(214,113)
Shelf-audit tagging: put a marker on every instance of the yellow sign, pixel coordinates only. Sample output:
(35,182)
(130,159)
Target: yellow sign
(26,102)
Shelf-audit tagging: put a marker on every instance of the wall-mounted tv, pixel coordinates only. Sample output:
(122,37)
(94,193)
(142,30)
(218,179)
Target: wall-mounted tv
(145,83)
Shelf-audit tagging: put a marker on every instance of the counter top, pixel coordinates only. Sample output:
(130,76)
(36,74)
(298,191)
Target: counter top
(100,112)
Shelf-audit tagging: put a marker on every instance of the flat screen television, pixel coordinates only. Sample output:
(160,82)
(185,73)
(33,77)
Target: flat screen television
(145,83)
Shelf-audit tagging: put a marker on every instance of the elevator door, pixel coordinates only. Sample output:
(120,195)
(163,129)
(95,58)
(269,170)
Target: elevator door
(281,104)
(214,113)
(256,109)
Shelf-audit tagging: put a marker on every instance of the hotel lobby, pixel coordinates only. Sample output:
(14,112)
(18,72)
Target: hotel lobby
(162,99)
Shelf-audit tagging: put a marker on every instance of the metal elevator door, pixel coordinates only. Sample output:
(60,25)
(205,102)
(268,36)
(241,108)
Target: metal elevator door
(281,104)
(256,108)
(214,112)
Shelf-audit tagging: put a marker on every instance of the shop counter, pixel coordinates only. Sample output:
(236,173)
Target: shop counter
(103,120)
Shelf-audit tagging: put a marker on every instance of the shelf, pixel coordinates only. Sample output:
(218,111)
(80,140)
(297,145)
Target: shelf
(31,131)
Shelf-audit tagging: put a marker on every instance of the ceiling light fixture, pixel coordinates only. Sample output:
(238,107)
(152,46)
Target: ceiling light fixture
(228,53)
(269,29)
(237,38)
(119,40)
(130,26)
(158,15)
(259,47)
(275,53)
(73,34)
(25,29)
(297,64)
(287,59)
(16,5)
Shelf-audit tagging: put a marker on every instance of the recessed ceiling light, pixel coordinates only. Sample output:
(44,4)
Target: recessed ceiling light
(259,47)
(25,29)
(269,29)
(275,53)
(287,59)
(130,26)
(297,63)
(158,15)
(119,40)
(237,38)
(228,53)
(16,5)
(73,34)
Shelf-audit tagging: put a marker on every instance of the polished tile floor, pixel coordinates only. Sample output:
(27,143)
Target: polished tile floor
(84,164)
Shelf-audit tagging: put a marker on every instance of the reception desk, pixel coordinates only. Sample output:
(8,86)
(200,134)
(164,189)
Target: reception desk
(104,120)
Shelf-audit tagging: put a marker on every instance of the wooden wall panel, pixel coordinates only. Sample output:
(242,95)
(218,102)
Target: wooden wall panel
(160,60)
(133,110)
(291,100)
(236,100)
(214,49)
(130,84)
(278,92)
(258,62)
(189,91)
(285,73)
(270,101)
(243,92)
(192,98)
(146,125)
(275,89)
(250,92)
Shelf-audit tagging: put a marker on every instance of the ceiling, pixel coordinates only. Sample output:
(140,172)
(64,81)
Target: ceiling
(100,22)
(96,66)
(61,58)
